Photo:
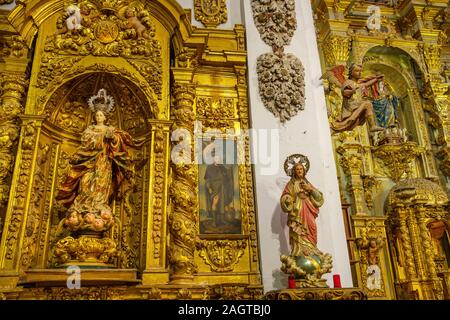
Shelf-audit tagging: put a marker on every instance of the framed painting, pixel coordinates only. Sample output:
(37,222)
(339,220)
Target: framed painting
(218,181)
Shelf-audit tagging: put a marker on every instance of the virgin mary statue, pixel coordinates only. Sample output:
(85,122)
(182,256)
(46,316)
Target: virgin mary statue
(100,169)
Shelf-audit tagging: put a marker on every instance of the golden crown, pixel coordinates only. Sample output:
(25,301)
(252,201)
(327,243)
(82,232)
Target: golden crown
(101,102)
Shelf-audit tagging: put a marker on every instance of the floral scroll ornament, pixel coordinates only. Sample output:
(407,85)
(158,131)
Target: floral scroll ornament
(281,76)
(211,12)
(281,84)
(275,21)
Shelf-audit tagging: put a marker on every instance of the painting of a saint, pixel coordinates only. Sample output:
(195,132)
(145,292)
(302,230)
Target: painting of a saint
(219,188)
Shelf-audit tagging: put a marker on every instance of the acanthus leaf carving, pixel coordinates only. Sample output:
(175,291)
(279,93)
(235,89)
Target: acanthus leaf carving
(221,255)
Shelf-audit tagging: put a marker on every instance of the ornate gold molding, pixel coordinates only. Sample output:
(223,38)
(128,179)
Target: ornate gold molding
(12,46)
(211,12)
(412,205)
(216,113)
(397,158)
(221,255)
(316,294)
(336,49)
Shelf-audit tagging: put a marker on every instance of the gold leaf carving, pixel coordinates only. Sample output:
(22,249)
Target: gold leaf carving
(221,255)
(211,12)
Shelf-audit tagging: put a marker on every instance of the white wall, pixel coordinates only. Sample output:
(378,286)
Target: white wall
(307,133)
(234,13)
(8,6)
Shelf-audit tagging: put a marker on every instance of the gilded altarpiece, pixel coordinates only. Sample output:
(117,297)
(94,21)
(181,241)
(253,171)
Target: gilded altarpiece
(163,75)
(406,42)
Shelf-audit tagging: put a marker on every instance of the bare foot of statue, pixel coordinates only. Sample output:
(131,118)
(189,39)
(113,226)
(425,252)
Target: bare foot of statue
(376,128)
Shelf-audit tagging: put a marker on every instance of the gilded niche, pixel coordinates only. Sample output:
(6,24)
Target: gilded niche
(104,28)
(102,169)
(211,12)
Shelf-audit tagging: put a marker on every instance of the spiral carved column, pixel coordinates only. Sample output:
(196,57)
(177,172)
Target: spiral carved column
(13,86)
(183,190)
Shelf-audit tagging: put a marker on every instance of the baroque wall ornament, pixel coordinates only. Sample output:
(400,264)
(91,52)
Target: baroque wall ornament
(216,112)
(275,21)
(281,84)
(397,158)
(281,77)
(211,12)
(107,29)
(221,255)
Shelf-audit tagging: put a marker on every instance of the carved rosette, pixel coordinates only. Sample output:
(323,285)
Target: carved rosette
(281,84)
(183,191)
(221,255)
(275,20)
(211,12)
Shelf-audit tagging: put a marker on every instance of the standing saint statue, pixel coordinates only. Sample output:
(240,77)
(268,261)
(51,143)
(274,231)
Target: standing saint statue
(301,201)
(100,169)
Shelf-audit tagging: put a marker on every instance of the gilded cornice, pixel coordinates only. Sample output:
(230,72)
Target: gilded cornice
(5,25)
(27,16)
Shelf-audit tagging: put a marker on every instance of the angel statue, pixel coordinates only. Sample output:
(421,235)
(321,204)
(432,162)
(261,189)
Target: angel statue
(101,169)
(370,247)
(301,201)
(357,106)
(71,20)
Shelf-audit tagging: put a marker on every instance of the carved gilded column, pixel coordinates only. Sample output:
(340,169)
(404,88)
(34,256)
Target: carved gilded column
(412,204)
(436,89)
(13,85)
(351,161)
(182,220)
(19,200)
(155,230)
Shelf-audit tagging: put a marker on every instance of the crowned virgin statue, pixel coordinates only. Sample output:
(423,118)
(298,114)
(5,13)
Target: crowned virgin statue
(100,169)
